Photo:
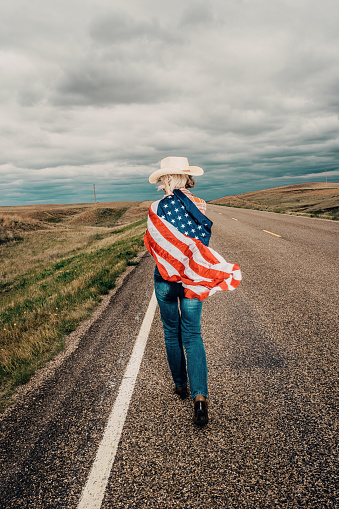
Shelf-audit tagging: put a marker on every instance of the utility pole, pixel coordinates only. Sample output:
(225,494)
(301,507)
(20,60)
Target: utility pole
(326,175)
(95,197)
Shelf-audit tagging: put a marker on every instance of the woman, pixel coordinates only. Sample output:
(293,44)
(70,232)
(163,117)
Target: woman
(186,272)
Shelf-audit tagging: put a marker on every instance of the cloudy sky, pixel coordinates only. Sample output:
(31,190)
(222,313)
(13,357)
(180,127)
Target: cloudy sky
(99,91)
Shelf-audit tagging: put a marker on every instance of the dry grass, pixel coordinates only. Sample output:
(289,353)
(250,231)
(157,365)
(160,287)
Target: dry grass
(313,199)
(99,216)
(11,227)
(52,276)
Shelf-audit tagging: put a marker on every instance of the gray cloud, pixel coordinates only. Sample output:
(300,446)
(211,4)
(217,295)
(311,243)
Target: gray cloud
(119,27)
(126,63)
(248,90)
(197,13)
(95,82)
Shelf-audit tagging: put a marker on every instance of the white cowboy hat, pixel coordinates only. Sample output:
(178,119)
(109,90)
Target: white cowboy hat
(174,166)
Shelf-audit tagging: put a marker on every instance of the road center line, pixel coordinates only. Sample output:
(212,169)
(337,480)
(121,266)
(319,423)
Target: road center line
(275,234)
(94,490)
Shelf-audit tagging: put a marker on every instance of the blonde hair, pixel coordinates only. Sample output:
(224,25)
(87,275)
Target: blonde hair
(176,181)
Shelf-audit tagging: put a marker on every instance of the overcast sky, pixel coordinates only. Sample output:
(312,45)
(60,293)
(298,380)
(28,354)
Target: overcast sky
(99,91)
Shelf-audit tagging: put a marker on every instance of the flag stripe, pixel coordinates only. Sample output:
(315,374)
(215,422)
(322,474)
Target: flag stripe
(197,262)
(200,254)
(180,258)
(191,269)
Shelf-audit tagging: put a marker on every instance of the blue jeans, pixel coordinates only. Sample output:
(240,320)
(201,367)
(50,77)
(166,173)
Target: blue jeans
(182,331)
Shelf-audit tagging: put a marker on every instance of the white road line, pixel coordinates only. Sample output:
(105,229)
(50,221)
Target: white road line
(94,490)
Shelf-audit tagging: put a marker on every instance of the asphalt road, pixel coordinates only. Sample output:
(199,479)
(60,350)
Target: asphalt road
(272,353)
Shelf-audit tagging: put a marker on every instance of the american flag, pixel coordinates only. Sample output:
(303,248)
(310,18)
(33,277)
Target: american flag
(183,255)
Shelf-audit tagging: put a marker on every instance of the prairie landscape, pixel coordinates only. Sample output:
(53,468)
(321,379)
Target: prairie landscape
(56,263)
(315,199)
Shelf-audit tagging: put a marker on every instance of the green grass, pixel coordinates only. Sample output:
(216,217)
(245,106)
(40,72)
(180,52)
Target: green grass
(45,303)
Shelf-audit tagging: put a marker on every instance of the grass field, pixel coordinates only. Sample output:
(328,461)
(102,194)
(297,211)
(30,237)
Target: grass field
(56,263)
(313,199)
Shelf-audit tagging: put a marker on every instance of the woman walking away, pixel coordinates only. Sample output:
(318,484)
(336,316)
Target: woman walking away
(187,272)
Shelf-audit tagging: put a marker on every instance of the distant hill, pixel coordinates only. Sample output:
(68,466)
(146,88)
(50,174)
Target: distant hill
(312,199)
(15,220)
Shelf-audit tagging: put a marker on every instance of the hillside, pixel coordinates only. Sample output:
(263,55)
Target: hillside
(312,199)
(15,220)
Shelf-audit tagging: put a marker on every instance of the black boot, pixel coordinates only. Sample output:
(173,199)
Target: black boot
(200,415)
